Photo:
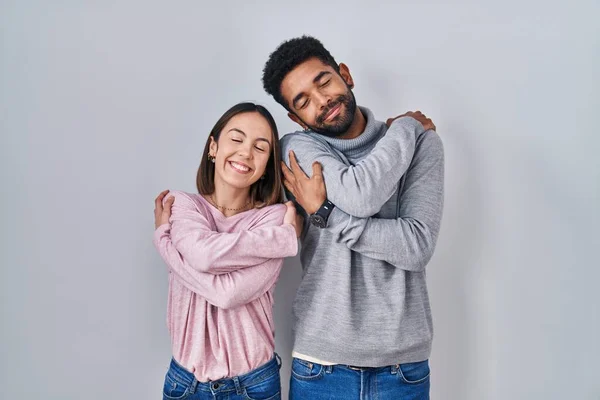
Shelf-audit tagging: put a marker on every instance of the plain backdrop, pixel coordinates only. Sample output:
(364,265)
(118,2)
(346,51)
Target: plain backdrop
(103,104)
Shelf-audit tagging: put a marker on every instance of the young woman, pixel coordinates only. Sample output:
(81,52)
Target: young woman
(224,248)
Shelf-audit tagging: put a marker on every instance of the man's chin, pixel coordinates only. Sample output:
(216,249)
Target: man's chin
(334,130)
(328,133)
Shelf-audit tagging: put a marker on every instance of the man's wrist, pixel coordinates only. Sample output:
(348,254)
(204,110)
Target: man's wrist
(314,207)
(319,218)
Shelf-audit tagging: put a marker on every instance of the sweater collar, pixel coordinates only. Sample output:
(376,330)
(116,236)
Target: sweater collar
(372,133)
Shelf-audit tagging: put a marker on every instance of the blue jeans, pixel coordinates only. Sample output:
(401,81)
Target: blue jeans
(260,384)
(398,382)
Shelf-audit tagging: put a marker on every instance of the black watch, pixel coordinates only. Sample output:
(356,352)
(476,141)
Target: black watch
(319,219)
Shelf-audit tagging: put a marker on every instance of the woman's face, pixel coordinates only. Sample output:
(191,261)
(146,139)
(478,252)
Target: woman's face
(243,150)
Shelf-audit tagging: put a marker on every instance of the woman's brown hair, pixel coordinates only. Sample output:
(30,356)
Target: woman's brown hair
(264,192)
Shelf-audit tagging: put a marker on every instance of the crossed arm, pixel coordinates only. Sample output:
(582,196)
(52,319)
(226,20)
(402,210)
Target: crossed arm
(225,291)
(206,250)
(406,242)
(235,283)
(360,189)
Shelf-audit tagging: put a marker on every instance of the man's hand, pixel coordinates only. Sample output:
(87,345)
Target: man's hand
(309,192)
(293,218)
(419,116)
(162,213)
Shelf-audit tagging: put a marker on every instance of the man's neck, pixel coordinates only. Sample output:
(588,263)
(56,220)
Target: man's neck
(357,127)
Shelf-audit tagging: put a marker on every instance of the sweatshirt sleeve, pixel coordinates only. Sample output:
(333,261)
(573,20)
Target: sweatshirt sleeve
(361,189)
(227,290)
(407,242)
(209,251)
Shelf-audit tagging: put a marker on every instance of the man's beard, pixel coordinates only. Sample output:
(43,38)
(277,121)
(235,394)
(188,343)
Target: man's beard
(342,122)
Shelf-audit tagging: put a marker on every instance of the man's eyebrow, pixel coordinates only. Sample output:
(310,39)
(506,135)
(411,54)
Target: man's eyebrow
(320,75)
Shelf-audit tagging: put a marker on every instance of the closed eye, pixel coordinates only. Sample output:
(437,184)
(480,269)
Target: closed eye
(326,83)
(237,140)
(259,148)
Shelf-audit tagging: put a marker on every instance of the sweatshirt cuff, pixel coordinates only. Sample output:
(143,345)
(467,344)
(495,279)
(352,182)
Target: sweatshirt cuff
(337,220)
(160,231)
(293,242)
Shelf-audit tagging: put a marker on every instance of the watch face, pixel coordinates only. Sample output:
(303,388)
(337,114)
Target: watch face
(318,221)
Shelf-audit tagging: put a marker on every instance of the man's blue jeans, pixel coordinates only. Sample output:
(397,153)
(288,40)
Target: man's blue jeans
(398,382)
(260,384)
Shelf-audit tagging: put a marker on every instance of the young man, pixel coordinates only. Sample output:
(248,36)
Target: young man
(363,327)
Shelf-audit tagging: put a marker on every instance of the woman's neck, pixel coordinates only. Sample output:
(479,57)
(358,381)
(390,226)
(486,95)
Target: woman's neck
(230,200)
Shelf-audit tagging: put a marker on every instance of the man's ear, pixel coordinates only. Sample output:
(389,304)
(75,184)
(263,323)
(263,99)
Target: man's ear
(297,120)
(346,76)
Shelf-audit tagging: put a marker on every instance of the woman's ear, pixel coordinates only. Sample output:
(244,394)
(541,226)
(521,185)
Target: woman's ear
(212,149)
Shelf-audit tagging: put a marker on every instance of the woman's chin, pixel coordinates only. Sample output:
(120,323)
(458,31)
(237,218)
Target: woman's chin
(239,182)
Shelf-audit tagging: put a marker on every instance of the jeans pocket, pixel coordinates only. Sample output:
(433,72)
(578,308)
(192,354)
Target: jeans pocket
(304,370)
(174,388)
(414,373)
(267,389)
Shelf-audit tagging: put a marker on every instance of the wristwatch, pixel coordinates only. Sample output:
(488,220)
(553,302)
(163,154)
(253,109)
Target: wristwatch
(319,219)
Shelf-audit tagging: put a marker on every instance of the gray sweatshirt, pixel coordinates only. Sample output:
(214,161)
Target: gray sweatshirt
(363,297)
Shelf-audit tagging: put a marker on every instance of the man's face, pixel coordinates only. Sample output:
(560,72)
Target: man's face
(319,97)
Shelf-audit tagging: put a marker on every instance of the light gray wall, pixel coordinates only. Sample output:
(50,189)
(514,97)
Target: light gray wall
(105,103)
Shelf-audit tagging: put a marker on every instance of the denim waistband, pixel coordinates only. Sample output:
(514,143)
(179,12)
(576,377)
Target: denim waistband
(227,384)
(329,368)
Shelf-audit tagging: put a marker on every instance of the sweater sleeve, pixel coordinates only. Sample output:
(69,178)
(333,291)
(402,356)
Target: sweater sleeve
(407,242)
(209,251)
(227,290)
(361,189)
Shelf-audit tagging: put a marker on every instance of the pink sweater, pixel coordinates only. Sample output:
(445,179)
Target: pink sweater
(222,273)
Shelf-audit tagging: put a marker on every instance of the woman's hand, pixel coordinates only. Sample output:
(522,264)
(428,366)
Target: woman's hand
(293,218)
(162,213)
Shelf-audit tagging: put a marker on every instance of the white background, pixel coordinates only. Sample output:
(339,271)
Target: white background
(105,103)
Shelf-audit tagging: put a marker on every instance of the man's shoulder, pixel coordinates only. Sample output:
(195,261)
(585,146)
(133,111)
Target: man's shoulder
(302,138)
(430,142)
(290,138)
(429,150)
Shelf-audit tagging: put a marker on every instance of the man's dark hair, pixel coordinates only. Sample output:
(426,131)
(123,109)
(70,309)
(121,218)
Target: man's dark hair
(286,57)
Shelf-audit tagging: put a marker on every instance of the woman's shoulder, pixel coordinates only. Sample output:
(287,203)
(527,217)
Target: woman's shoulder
(268,215)
(188,200)
(273,208)
(183,196)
